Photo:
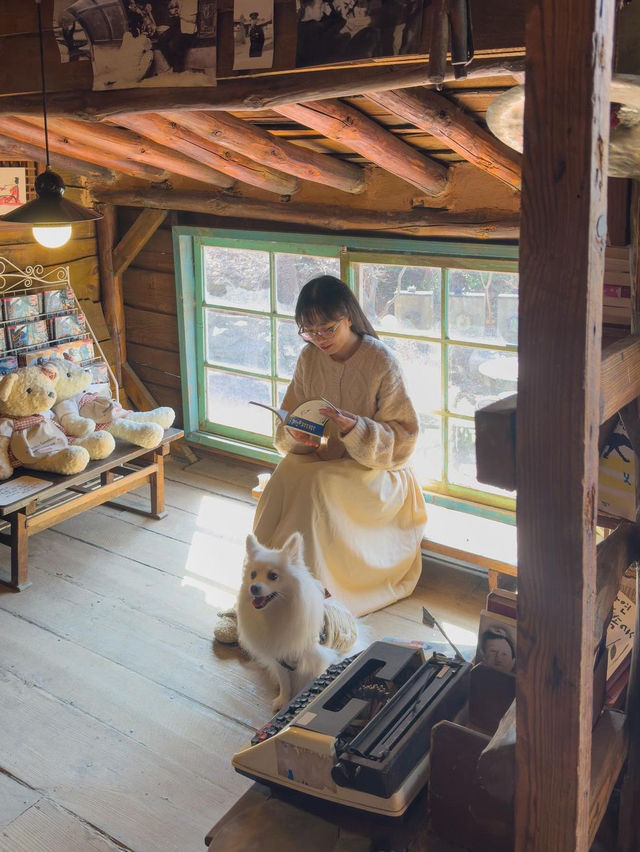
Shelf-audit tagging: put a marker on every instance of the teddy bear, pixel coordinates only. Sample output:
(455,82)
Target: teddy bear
(142,428)
(72,380)
(29,436)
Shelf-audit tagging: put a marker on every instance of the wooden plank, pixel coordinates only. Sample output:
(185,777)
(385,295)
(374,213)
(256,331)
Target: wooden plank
(566,127)
(146,289)
(629,820)
(15,799)
(608,753)
(95,317)
(160,359)
(151,376)
(151,329)
(45,826)
(111,289)
(138,235)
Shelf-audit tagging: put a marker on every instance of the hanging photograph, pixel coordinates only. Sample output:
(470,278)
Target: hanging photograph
(252,34)
(133,43)
(341,30)
(13,188)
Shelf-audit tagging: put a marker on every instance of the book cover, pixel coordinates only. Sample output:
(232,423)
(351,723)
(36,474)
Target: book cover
(503,602)
(620,633)
(497,641)
(305,417)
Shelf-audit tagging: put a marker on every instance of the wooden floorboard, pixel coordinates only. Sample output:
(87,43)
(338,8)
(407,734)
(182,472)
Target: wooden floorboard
(120,715)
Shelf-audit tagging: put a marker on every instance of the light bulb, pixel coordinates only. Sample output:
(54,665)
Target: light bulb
(52,236)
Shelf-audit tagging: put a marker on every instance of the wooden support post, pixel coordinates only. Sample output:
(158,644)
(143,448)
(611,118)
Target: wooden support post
(563,231)
(111,287)
(156,486)
(19,550)
(138,235)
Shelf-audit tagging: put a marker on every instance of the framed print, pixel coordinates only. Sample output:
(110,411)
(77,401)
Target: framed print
(13,188)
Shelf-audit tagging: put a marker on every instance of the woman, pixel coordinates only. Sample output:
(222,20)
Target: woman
(355,500)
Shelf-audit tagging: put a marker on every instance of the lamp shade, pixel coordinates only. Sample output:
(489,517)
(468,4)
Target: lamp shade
(50,208)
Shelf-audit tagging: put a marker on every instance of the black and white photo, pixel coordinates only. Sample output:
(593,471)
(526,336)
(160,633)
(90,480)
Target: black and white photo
(137,43)
(341,30)
(252,34)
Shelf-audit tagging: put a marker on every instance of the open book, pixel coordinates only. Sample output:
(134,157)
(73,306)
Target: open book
(305,417)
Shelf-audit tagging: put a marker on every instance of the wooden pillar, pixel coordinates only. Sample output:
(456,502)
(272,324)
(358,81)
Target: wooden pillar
(111,287)
(563,230)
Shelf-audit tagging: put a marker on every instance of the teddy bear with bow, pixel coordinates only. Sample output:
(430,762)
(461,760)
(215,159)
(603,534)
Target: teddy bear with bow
(77,411)
(29,436)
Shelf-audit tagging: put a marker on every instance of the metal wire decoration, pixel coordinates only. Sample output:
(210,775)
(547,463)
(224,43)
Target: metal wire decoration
(12,277)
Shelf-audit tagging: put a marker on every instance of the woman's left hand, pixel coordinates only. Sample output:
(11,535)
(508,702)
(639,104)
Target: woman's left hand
(344,420)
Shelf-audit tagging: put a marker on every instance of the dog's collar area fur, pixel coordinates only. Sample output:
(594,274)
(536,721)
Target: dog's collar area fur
(322,639)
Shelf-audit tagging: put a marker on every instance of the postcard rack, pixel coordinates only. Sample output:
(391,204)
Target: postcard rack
(15,281)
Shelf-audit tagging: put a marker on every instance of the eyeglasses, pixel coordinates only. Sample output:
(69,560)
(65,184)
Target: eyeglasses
(321,333)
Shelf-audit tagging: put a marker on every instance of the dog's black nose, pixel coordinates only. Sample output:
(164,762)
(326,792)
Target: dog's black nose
(255,589)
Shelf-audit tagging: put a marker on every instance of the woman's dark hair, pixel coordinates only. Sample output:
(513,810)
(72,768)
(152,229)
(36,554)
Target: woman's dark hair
(327,298)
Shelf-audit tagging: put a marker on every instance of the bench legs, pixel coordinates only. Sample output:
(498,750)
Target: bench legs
(156,487)
(19,551)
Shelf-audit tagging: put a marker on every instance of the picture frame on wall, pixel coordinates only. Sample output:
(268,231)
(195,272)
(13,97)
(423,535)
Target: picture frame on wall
(13,188)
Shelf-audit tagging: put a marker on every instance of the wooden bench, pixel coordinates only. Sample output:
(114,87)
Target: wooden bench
(128,467)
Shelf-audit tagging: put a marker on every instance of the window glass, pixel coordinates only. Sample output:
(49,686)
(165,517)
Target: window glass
(238,278)
(483,305)
(238,340)
(228,396)
(289,345)
(478,377)
(292,273)
(401,298)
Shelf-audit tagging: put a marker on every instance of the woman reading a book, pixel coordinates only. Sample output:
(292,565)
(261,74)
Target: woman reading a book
(354,498)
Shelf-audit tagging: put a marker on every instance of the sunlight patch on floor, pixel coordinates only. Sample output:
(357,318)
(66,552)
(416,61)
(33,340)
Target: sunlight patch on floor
(216,553)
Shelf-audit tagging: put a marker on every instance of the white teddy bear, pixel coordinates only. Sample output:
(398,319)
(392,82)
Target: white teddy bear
(71,381)
(142,428)
(29,436)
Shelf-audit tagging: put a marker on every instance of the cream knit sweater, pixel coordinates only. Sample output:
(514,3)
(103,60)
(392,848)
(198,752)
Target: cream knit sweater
(369,384)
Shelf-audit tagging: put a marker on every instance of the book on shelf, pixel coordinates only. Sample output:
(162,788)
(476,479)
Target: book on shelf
(620,633)
(503,601)
(305,417)
(497,641)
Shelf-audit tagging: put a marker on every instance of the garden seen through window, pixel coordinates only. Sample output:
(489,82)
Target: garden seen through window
(451,321)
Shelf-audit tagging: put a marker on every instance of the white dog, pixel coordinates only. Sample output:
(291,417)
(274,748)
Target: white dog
(282,617)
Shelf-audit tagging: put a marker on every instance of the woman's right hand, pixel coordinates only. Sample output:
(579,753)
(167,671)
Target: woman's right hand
(305,438)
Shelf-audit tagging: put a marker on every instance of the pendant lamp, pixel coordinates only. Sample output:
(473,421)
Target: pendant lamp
(50,215)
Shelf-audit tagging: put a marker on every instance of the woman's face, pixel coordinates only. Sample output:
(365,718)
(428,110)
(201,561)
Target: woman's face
(338,339)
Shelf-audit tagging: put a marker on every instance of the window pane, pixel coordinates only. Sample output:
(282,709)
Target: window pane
(289,345)
(238,340)
(476,311)
(292,273)
(421,367)
(462,458)
(236,277)
(427,458)
(401,298)
(478,377)
(228,398)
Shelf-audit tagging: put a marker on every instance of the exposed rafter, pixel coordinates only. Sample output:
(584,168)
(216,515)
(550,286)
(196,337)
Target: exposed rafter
(162,130)
(347,125)
(436,115)
(26,130)
(265,148)
(479,225)
(18,150)
(137,149)
(245,93)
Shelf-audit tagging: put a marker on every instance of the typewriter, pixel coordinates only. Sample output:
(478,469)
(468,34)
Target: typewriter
(359,734)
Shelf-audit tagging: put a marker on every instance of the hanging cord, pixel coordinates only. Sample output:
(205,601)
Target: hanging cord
(44,85)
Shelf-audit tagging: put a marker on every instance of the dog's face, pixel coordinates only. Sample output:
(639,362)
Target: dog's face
(268,574)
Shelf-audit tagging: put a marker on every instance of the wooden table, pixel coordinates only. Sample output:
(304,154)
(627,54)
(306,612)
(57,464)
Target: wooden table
(278,820)
(128,467)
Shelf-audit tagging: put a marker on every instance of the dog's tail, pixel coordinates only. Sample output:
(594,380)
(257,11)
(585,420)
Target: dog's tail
(340,627)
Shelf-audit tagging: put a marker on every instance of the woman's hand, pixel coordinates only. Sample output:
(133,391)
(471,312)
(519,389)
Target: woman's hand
(344,420)
(305,438)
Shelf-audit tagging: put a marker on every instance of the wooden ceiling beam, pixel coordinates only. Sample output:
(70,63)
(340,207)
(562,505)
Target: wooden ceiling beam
(165,131)
(358,132)
(136,148)
(25,130)
(422,220)
(136,238)
(244,93)
(14,149)
(265,148)
(436,115)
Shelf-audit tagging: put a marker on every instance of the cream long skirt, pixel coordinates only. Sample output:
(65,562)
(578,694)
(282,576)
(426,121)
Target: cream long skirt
(362,528)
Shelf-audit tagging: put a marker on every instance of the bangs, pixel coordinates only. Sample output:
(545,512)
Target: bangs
(313,317)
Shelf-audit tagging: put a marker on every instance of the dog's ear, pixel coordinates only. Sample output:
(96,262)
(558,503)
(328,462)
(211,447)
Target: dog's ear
(294,547)
(252,545)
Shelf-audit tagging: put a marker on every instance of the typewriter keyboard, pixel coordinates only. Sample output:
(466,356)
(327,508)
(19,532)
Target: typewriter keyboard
(288,713)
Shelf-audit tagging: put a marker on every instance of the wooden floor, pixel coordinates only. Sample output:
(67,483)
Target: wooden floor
(119,716)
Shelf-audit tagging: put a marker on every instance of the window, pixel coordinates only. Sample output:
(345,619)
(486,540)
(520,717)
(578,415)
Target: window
(448,311)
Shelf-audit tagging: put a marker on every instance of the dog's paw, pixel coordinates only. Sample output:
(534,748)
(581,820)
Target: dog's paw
(279,702)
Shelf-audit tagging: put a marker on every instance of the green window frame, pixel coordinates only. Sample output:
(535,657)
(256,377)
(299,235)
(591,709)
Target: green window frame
(353,254)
